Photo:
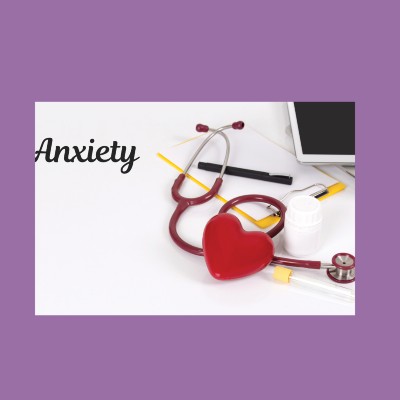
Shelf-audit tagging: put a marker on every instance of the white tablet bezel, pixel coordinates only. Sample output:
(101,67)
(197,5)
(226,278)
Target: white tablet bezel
(314,158)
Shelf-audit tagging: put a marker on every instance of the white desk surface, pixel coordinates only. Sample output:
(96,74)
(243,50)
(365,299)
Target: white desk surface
(102,242)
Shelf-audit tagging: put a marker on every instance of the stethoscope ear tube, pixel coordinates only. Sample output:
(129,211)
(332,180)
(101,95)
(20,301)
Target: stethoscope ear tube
(186,202)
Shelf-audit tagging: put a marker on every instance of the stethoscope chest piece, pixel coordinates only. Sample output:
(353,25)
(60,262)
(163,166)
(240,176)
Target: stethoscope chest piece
(344,271)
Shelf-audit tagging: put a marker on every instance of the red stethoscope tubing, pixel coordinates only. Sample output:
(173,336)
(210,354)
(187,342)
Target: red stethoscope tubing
(257,198)
(184,203)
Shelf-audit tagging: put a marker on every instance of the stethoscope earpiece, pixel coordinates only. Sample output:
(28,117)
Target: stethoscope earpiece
(238,125)
(202,128)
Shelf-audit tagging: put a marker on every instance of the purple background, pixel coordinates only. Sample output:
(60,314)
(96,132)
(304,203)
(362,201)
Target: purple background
(211,50)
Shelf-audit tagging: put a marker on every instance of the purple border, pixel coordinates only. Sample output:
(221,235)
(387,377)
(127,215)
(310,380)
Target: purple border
(255,51)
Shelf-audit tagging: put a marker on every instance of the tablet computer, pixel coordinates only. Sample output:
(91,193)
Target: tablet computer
(323,132)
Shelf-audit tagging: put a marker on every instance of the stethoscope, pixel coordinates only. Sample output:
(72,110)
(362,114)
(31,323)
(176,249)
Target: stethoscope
(340,270)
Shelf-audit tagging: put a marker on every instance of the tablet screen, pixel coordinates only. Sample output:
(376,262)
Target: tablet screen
(326,127)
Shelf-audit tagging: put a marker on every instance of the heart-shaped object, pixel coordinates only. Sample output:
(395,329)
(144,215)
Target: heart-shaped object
(231,252)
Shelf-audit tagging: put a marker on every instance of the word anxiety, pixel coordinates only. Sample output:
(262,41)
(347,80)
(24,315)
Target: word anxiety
(102,154)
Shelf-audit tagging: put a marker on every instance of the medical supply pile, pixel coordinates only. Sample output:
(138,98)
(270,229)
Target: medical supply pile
(231,252)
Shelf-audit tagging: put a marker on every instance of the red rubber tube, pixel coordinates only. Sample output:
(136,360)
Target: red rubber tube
(183,204)
(288,262)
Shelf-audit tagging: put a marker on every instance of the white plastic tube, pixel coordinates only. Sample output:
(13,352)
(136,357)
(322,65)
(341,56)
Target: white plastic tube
(288,276)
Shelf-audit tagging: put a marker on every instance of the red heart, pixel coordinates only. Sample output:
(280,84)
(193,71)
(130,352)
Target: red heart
(231,252)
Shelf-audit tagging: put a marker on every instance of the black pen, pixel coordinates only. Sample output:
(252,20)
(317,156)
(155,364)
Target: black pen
(247,173)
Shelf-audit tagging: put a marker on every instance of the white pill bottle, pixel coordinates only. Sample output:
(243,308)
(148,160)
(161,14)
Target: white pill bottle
(303,226)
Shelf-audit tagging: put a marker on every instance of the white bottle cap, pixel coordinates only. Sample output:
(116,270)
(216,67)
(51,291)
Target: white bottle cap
(303,224)
(304,211)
